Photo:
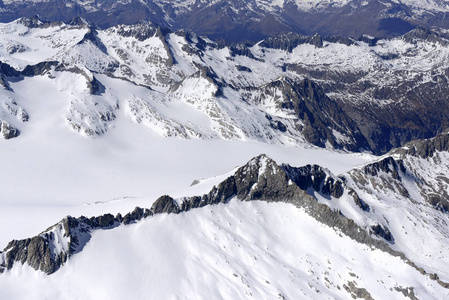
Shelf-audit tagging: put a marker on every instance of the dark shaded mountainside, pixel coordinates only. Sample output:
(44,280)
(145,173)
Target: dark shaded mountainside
(347,204)
(359,95)
(239,20)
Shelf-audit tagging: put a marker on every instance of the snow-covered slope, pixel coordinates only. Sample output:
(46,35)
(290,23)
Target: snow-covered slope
(408,193)
(310,240)
(237,250)
(96,122)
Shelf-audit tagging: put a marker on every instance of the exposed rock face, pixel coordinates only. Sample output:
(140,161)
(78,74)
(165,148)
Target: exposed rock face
(312,109)
(387,165)
(357,292)
(38,69)
(49,250)
(289,41)
(36,252)
(8,131)
(136,215)
(314,176)
(321,120)
(142,31)
(165,204)
(425,148)
(359,202)
(383,233)
(30,70)
(412,162)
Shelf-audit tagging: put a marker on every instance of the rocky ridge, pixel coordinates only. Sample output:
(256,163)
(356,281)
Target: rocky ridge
(409,186)
(324,196)
(413,160)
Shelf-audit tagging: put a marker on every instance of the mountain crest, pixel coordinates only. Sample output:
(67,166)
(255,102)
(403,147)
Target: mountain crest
(260,179)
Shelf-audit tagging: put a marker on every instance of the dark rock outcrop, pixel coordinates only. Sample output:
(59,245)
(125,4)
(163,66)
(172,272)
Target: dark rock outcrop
(382,232)
(8,71)
(387,165)
(36,252)
(165,204)
(322,120)
(425,148)
(8,131)
(136,215)
(41,253)
(289,41)
(96,87)
(141,31)
(316,177)
(38,69)
(359,202)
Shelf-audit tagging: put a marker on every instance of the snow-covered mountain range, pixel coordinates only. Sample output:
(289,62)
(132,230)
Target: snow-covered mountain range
(239,20)
(267,230)
(119,124)
(341,93)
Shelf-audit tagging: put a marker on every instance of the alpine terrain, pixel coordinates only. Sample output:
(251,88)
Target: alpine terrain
(240,20)
(224,149)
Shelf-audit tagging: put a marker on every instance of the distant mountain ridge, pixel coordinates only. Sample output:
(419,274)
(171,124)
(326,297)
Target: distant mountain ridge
(364,94)
(239,20)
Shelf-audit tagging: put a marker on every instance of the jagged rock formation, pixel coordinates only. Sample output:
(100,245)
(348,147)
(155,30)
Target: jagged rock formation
(48,251)
(410,187)
(8,132)
(411,163)
(424,148)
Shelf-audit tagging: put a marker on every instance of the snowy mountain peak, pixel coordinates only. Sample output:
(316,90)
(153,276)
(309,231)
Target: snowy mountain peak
(319,196)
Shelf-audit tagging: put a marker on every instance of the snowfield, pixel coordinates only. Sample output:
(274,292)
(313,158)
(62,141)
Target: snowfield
(240,250)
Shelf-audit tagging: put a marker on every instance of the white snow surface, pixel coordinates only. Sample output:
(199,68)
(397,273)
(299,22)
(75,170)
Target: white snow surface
(240,250)
(142,142)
